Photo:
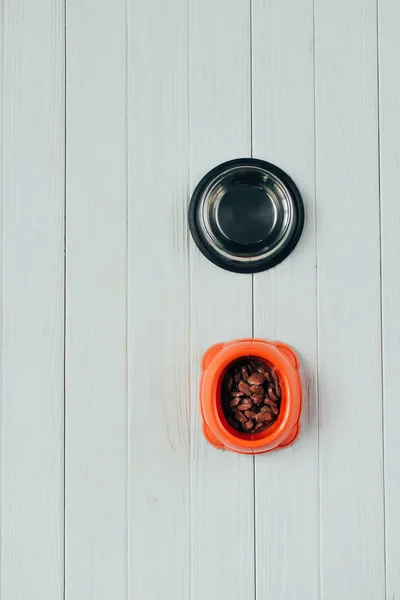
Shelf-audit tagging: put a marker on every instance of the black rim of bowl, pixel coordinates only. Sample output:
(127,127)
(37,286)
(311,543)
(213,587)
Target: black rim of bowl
(230,264)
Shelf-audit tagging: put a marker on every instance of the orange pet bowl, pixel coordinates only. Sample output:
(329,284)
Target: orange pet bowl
(216,428)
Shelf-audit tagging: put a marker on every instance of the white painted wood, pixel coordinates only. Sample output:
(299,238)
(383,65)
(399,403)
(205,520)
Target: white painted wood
(1,256)
(96,425)
(350,386)
(33,301)
(157,94)
(1,239)
(389,48)
(222,482)
(158,302)
(286,482)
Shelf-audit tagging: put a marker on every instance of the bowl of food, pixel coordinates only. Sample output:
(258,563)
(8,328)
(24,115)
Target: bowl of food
(250,396)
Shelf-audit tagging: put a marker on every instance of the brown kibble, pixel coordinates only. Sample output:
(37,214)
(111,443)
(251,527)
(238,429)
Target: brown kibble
(258,398)
(243,387)
(264,416)
(256,379)
(259,366)
(250,414)
(257,389)
(234,402)
(271,393)
(261,427)
(250,395)
(238,416)
(246,405)
(274,375)
(272,405)
(270,402)
(268,376)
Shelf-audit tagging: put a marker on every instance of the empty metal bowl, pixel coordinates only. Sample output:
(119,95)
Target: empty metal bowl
(246,215)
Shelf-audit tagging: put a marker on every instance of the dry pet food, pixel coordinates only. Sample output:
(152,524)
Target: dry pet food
(251,395)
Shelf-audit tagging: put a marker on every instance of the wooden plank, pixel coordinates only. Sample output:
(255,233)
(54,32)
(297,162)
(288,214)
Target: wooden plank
(33,301)
(222,482)
(389,86)
(96,301)
(286,482)
(158,302)
(352,548)
(1,240)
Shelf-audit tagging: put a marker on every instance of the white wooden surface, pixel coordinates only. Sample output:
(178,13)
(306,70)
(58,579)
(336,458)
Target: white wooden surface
(96,268)
(32,499)
(349,301)
(158,519)
(111,112)
(389,89)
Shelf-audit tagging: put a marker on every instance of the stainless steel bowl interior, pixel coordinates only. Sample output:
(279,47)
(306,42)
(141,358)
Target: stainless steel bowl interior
(246,214)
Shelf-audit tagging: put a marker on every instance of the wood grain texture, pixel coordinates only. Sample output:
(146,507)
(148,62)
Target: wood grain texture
(157,94)
(352,548)
(389,48)
(158,302)
(286,484)
(33,301)
(1,258)
(96,444)
(222,482)
(1,242)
